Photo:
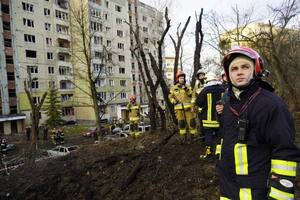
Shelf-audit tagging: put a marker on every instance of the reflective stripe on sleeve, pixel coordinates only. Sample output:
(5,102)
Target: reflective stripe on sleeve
(224,198)
(219,148)
(278,194)
(134,118)
(241,159)
(245,194)
(283,167)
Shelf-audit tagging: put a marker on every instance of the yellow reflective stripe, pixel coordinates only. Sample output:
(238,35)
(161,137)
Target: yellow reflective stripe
(134,118)
(240,159)
(283,167)
(218,148)
(182,131)
(245,194)
(224,198)
(278,194)
(199,109)
(210,123)
(209,106)
(193,100)
(193,131)
(134,107)
(185,106)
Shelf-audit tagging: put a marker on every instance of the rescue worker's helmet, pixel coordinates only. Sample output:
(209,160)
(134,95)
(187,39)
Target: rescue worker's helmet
(200,71)
(210,76)
(179,74)
(132,98)
(245,51)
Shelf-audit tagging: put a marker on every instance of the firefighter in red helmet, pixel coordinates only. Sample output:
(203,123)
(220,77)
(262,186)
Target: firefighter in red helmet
(181,96)
(134,110)
(257,155)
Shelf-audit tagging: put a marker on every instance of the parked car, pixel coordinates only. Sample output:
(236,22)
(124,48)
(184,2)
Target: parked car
(92,131)
(144,127)
(69,122)
(62,150)
(125,129)
(116,136)
(10,147)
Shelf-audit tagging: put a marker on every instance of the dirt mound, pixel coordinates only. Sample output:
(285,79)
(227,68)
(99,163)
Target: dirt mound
(151,167)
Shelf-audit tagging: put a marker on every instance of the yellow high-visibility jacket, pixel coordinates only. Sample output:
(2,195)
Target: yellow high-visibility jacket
(181,96)
(134,110)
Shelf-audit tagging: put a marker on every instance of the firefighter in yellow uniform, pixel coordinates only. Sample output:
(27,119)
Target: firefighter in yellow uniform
(134,110)
(180,96)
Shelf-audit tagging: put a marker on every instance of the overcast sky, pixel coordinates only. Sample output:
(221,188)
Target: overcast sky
(181,9)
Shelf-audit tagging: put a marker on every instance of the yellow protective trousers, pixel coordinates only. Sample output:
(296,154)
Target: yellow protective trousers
(186,121)
(134,130)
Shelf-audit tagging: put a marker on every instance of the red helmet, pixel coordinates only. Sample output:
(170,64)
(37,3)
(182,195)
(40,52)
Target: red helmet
(132,98)
(178,74)
(248,52)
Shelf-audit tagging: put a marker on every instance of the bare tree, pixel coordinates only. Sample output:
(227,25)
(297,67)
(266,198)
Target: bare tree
(157,67)
(198,45)
(224,31)
(278,43)
(177,45)
(34,118)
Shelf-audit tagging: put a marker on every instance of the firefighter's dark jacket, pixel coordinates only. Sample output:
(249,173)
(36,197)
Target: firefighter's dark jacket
(270,137)
(207,100)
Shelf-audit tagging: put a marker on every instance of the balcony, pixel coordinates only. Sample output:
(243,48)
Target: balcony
(62,4)
(64,46)
(65,85)
(64,59)
(8,51)
(6,2)
(12,101)
(63,32)
(10,67)
(11,85)
(63,36)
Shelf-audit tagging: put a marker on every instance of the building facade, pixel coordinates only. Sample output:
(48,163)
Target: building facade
(11,120)
(169,70)
(37,44)
(42,47)
(112,60)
